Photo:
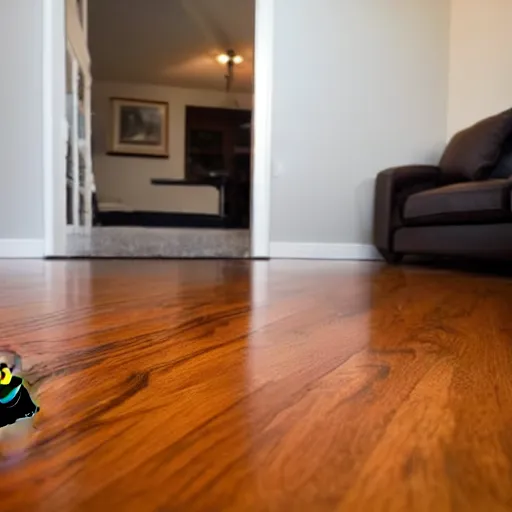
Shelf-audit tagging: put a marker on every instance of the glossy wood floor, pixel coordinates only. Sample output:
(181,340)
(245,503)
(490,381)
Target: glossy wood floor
(231,386)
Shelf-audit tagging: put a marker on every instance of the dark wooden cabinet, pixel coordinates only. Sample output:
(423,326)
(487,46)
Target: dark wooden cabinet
(218,145)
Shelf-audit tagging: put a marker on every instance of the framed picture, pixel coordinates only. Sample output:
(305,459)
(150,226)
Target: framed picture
(139,128)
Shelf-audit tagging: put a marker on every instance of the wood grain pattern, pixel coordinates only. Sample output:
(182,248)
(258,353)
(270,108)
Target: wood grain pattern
(205,386)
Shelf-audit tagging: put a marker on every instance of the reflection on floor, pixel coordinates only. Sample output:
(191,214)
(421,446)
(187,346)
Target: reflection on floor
(255,386)
(137,242)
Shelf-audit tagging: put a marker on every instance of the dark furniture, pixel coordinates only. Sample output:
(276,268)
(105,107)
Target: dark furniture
(461,207)
(149,219)
(218,141)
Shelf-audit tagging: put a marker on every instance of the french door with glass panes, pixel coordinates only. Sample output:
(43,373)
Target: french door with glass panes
(79,178)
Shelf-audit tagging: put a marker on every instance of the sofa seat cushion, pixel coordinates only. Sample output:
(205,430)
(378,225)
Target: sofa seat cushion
(462,203)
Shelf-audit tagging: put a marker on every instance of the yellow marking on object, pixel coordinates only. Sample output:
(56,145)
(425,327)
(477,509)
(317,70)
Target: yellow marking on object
(5,376)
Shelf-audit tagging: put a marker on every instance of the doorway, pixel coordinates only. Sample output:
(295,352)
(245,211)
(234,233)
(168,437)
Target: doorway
(234,204)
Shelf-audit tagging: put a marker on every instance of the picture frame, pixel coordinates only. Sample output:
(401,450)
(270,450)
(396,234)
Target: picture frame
(139,128)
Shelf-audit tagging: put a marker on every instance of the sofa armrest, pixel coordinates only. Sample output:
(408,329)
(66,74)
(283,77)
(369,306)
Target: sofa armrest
(392,187)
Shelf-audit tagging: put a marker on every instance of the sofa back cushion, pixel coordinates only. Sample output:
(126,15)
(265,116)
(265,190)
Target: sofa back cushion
(473,153)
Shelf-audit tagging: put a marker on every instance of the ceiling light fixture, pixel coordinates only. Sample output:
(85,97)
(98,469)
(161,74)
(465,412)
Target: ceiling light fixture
(229,59)
(223,59)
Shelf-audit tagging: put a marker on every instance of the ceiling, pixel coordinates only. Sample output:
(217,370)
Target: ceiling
(171,42)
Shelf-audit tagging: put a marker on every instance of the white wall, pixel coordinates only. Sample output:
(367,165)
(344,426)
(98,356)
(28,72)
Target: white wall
(129,179)
(21,135)
(480,62)
(358,86)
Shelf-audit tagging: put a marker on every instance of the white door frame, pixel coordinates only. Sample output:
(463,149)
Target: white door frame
(54,133)
(262,128)
(54,127)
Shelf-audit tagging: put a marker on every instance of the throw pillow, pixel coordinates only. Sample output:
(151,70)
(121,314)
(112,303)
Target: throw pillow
(473,153)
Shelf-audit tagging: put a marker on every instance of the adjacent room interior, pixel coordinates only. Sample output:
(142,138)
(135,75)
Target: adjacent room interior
(164,93)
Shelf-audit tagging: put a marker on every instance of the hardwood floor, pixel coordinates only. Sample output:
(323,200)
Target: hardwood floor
(231,386)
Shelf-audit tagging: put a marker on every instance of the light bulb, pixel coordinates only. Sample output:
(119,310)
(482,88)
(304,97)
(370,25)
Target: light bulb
(223,58)
(238,59)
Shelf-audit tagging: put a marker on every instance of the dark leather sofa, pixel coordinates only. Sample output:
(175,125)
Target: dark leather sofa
(461,207)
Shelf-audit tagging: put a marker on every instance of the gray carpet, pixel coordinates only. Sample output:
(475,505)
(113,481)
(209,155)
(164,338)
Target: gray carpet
(136,242)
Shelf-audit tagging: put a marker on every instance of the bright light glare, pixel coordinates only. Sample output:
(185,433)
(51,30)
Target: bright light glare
(222,58)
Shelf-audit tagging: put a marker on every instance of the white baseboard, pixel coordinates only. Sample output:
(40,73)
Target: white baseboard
(21,248)
(312,251)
